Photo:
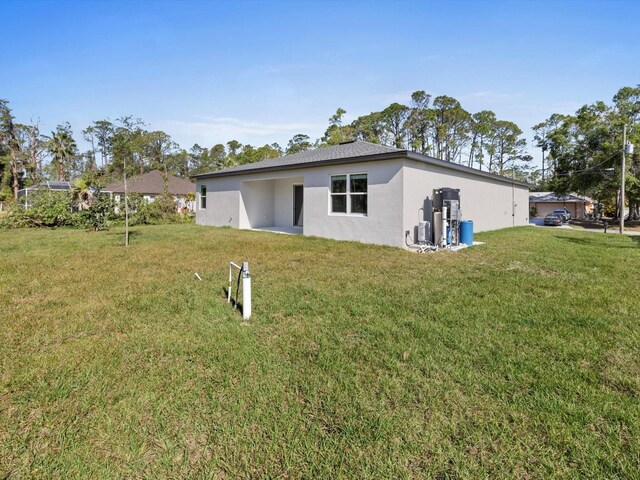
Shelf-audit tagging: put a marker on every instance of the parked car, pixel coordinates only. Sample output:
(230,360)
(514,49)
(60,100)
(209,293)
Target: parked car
(564,214)
(553,220)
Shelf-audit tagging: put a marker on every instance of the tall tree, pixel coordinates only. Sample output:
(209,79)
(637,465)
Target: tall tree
(157,147)
(234,147)
(394,118)
(586,146)
(217,157)
(482,128)
(103,131)
(626,111)
(510,147)
(9,137)
(542,136)
(369,128)
(36,149)
(299,143)
(63,150)
(199,159)
(89,135)
(126,147)
(420,122)
(336,132)
(451,127)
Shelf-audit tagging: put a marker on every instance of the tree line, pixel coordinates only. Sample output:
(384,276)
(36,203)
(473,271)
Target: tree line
(582,152)
(441,128)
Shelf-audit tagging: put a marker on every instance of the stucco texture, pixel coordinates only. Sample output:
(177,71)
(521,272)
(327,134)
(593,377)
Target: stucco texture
(397,189)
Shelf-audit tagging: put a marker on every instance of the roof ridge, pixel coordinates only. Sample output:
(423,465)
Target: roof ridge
(353,149)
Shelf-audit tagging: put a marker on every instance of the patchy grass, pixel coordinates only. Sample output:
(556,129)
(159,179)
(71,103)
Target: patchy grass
(517,359)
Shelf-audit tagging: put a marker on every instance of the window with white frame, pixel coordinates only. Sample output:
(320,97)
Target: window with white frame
(203,197)
(349,193)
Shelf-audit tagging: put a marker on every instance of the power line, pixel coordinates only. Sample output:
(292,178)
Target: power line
(588,168)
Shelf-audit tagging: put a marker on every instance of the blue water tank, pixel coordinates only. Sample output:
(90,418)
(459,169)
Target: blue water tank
(466,232)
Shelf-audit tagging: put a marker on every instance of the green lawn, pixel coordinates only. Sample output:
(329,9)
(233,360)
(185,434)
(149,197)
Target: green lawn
(516,359)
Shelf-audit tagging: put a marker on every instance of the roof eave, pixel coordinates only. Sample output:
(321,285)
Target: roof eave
(461,168)
(334,161)
(399,154)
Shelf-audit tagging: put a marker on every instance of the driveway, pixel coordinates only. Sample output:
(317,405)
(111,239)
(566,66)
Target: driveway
(539,222)
(613,228)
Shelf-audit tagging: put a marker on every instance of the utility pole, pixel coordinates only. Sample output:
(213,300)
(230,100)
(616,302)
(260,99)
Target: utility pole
(544,147)
(622,177)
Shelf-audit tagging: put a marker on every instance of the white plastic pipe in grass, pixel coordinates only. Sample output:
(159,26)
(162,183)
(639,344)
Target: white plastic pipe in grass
(243,273)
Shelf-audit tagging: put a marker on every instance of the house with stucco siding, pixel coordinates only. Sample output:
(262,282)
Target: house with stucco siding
(354,191)
(153,184)
(543,203)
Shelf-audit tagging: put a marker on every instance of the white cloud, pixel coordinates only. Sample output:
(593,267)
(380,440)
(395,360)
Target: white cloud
(230,127)
(212,130)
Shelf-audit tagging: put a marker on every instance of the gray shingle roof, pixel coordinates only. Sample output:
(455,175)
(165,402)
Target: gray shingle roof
(554,197)
(335,152)
(347,153)
(153,183)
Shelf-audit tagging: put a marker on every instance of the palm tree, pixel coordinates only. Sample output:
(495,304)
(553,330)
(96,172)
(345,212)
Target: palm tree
(62,148)
(84,193)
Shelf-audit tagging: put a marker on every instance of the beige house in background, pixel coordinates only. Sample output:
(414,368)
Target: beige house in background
(546,202)
(151,184)
(354,191)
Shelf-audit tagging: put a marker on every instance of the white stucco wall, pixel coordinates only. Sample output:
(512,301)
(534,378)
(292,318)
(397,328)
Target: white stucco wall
(265,199)
(256,207)
(396,190)
(231,200)
(486,201)
(577,210)
(283,200)
(383,222)
(223,202)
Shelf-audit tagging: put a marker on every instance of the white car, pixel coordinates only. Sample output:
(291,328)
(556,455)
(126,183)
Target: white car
(564,213)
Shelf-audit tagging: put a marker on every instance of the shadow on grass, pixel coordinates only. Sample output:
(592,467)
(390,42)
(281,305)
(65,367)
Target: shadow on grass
(589,225)
(597,242)
(233,303)
(133,234)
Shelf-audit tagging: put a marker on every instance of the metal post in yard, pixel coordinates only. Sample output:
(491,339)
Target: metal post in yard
(246,291)
(246,288)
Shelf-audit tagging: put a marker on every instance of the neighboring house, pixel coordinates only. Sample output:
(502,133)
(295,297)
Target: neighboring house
(150,185)
(546,202)
(354,191)
(24,193)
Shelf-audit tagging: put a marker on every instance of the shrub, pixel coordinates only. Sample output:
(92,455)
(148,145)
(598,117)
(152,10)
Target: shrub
(161,210)
(46,208)
(50,208)
(98,215)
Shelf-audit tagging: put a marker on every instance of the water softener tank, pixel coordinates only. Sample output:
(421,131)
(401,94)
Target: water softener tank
(466,232)
(437,228)
(424,232)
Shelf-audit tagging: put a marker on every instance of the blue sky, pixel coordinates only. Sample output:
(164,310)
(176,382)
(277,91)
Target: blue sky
(259,72)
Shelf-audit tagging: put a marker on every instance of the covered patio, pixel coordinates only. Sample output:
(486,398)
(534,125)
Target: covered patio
(283,230)
(274,205)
